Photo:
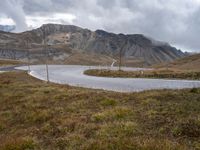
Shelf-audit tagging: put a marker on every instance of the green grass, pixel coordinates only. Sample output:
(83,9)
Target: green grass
(169,74)
(35,115)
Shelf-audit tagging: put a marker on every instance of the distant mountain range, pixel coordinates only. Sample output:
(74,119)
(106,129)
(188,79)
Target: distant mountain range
(65,40)
(7,28)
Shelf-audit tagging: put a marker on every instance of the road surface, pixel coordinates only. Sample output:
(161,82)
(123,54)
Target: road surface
(73,75)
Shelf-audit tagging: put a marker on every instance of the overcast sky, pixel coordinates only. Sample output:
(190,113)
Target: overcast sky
(173,21)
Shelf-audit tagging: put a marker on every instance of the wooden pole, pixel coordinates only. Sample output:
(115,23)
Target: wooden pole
(120,55)
(46,53)
(29,68)
(120,59)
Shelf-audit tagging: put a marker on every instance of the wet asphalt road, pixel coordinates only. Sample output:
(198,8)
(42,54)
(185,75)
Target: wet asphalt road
(73,75)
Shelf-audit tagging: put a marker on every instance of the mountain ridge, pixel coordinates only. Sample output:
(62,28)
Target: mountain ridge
(132,46)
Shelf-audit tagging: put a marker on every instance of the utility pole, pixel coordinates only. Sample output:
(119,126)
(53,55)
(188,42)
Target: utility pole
(120,55)
(29,68)
(46,53)
(120,59)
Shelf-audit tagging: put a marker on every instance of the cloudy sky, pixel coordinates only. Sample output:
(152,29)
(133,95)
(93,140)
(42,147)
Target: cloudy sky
(173,21)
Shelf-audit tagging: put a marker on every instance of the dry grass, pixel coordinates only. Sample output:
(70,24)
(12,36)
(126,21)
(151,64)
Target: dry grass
(81,58)
(159,73)
(6,62)
(35,115)
(189,63)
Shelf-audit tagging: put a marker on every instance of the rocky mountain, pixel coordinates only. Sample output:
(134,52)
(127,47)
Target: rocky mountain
(7,28)
(63,40)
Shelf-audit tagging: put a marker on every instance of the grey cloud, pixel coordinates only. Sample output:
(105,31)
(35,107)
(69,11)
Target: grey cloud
(106,4)
(45,7)
(173,21)
(13,9)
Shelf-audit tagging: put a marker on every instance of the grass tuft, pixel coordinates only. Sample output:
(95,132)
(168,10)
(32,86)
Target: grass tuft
(108,102)
(195,90)
(116,129)
(117,113)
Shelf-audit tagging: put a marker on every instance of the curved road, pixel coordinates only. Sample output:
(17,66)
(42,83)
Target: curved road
(73,75)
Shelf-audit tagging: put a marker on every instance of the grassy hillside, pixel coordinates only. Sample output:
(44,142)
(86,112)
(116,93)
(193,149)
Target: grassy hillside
(74,57)
(190,63)
(35,115)
(80,58)
(5,62)
(185,68)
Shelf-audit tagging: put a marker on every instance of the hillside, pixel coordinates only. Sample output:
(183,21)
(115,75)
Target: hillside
(62,38)
(5,62)
(190,63)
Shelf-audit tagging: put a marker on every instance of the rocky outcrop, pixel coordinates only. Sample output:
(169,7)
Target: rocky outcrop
(13,54)
(33,55)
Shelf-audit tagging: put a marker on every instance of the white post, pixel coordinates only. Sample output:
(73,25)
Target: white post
(112,65)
